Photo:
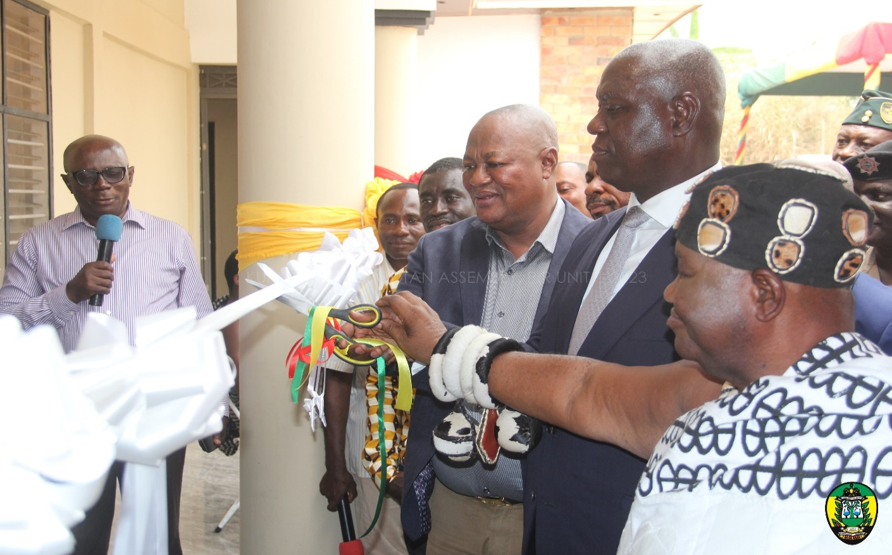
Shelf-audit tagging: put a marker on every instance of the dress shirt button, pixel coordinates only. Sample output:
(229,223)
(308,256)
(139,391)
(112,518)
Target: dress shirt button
(501,314)
(510,271)
(551,429)
(533,495)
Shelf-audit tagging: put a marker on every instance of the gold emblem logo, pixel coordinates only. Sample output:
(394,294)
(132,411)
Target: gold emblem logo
(886,111)
(851,511)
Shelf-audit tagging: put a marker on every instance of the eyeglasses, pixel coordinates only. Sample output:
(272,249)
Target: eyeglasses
(88,178)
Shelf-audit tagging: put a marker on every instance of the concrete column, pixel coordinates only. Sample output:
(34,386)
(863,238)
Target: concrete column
(396,60)
(306,132)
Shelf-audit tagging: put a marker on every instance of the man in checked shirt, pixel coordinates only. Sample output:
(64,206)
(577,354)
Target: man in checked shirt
(53,272)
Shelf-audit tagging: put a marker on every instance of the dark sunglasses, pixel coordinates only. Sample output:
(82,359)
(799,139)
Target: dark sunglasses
(88,178)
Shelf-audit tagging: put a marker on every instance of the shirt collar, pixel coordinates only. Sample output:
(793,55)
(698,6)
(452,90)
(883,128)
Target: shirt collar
(833,351)
(829,353)
(549,235)
(130,215)
(664,207)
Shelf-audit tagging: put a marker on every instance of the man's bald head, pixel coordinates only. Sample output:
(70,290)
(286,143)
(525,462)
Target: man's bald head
(99,175)
(91,142)
(530,123)
(675,66)
(509,171)
(660,112)
(681,64)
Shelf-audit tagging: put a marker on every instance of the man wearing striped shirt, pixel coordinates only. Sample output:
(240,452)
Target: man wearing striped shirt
(53,272)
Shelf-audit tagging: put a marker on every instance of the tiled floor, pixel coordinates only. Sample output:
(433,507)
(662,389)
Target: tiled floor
(210,486)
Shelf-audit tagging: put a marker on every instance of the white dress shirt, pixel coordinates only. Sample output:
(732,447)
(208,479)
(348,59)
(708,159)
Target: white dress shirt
(663,210)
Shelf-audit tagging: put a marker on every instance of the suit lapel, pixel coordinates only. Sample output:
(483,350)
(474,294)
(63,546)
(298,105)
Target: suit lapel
(657,270)
(474,273)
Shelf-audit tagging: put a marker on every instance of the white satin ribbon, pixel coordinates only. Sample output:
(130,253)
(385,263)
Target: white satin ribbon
(56,449)
(328,276)
(71,416)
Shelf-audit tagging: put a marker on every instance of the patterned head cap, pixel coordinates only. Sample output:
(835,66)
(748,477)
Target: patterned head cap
(873,165)
(874,109)
(795,218)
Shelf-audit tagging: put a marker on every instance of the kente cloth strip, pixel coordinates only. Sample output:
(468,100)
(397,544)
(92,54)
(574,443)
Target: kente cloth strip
(396,422)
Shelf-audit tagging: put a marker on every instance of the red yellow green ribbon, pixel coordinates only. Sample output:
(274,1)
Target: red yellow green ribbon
(315,331)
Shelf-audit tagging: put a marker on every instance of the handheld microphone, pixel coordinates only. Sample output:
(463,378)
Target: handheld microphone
(108,231)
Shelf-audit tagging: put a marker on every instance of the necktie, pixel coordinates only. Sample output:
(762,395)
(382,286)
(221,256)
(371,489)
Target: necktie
(602,289)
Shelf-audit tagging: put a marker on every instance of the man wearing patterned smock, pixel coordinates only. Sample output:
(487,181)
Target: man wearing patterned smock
(794,455)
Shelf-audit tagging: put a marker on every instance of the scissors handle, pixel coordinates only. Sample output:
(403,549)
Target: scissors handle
(344,314)
(344,354)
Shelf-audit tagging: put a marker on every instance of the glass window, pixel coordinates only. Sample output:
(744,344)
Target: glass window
(27,121)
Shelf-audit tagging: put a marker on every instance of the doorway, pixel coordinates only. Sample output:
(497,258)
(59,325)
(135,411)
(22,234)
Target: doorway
(219,173)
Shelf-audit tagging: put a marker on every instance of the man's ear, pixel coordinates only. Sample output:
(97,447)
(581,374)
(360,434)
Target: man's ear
(131,171)
(771,294)
(67,184)
(549,161)
(685,108)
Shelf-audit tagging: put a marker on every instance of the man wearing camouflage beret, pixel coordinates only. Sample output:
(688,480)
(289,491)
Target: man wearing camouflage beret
(791,455)
(869,124)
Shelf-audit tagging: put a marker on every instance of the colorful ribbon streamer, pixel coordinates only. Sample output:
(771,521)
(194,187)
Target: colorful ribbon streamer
(315,331)
(301,353)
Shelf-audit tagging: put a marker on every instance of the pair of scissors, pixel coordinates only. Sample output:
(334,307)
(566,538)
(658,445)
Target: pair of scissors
(344,315)
(299,302)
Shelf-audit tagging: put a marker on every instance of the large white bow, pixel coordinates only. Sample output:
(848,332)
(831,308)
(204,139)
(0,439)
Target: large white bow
(70,416)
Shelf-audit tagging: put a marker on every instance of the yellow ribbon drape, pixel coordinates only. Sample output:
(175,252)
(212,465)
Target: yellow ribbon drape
(268,229)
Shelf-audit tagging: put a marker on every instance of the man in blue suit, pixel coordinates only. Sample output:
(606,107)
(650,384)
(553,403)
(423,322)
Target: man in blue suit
(497,270)
(657,132)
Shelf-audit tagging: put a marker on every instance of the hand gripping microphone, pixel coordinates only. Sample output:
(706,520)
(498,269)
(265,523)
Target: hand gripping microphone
(108,231)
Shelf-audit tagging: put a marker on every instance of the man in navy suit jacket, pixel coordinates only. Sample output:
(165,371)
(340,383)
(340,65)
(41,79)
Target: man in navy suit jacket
(657,131)
(509,172)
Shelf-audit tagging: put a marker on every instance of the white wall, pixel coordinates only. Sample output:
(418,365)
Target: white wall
(212,31)
(468,66)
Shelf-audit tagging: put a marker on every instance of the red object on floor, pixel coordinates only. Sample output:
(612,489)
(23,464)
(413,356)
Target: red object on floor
(351,548)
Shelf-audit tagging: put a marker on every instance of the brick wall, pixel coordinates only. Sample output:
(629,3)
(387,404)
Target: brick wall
(576,45)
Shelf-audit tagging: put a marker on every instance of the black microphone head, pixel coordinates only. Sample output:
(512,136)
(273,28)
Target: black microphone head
(109,228)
